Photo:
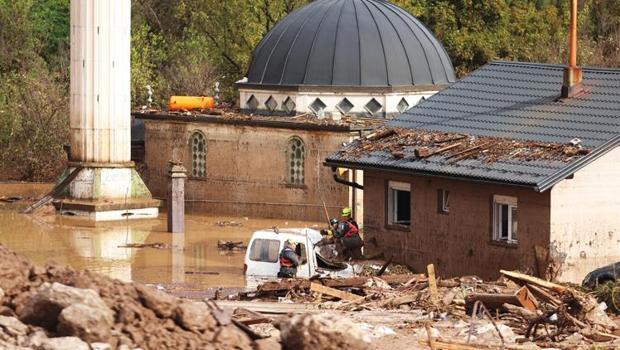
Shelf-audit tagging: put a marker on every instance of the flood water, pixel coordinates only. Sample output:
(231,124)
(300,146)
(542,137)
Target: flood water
(192,259)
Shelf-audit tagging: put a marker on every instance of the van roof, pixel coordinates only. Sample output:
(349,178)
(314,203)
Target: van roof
(282,234)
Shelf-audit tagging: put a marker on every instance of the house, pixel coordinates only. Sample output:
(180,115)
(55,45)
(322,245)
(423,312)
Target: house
(515,166)
(324,75)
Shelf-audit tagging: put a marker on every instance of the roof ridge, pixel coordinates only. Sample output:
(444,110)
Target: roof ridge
(554,65)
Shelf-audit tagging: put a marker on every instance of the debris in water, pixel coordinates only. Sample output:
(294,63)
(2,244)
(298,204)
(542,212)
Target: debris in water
(230,245)
(158,245)
(226,223)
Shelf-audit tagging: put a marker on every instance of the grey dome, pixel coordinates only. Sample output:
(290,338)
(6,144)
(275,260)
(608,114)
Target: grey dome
(357,43)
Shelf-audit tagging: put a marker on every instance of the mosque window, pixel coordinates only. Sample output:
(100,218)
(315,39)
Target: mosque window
(252,103)
(373,107)
(318,107)
(295,159)
(271,104)
(345,106)
(198,146)
(289,105)
(403,105)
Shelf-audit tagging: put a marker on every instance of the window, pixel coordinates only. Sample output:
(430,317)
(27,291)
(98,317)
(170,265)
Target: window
(443,201)
(289,105)
(403,105)
(252,103)
(295,158)
(505,219)
(198,147)
(271,104)
(373,107)
(265,250)
(399,203)
(301,251)
(345,106)
(318,107)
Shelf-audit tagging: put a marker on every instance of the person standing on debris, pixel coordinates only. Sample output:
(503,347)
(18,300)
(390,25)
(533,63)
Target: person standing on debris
(289,260)
(347,232)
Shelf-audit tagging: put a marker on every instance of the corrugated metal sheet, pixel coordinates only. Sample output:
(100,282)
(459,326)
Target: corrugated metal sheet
(517,101)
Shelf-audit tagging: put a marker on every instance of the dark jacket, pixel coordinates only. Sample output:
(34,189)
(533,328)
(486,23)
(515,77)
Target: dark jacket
(288,258)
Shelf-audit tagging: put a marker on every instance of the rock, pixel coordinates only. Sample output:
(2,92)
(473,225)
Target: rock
(100,346)
(161,303)
(267,344)
(1,293)
(85,322)
(43,308)
(326,332)
(13,326)
(63,343)
(36,339)
(194,316)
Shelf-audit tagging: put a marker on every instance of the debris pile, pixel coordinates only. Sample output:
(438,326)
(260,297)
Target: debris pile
(518,309)
(55,307)
(421,144)
(230,245)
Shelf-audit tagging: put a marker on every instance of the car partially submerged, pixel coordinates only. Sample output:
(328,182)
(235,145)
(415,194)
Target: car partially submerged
(602,275)
(263,253)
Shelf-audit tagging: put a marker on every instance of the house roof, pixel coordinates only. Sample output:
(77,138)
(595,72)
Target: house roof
(353,43)
(509,100)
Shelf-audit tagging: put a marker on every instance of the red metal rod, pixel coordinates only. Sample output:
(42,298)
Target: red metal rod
(573,34)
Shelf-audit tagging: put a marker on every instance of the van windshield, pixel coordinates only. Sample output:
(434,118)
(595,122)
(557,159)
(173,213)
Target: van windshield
(265,250)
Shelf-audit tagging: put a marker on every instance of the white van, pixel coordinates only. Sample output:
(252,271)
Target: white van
(262,256)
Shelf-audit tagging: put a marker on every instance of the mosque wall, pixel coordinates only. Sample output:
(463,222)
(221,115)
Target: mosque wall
(246,169)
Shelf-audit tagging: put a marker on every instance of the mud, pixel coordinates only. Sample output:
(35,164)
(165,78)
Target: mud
(192,262)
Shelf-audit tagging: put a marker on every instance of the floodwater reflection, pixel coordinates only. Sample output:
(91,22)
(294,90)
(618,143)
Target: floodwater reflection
(191,258)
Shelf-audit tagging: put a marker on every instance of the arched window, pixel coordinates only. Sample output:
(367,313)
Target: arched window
(295,158)
(198,148)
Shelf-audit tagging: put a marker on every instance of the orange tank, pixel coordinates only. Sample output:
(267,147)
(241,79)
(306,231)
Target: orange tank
(188,103)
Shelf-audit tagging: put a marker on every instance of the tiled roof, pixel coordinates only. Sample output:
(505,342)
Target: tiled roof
(516,101)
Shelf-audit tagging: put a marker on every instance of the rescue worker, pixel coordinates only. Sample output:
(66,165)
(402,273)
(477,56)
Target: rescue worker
(289,260)
(347,232)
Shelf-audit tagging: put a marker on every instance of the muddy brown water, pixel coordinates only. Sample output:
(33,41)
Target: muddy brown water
(193,259)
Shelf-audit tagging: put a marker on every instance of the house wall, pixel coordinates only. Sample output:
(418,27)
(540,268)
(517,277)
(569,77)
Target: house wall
(585,218)
(458,243)
(246,170)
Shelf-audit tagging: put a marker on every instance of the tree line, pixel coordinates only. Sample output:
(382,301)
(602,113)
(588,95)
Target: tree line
(185,46)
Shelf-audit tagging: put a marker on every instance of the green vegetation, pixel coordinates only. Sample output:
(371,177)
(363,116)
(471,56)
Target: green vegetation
(185,46)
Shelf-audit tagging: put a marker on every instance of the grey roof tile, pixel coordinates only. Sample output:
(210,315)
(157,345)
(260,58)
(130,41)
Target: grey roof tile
(518,101)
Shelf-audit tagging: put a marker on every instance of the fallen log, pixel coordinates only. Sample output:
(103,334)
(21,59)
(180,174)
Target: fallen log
(521,298)
(424,152)
(522,279)
(319,288)
(288,284)
(381,134)
(432,284)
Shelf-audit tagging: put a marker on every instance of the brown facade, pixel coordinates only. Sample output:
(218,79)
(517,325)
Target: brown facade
(459,242)
(246,169)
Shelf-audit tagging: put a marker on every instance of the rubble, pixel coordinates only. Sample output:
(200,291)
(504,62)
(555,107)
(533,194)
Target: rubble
(421,144)
(230,245)
(327,332)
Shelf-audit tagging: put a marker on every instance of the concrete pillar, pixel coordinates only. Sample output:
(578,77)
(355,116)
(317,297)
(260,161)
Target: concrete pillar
(100,81)
(176,198)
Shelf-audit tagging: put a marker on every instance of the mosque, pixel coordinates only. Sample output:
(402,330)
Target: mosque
(325,74)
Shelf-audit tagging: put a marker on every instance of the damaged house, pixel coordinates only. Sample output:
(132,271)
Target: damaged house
(507,168)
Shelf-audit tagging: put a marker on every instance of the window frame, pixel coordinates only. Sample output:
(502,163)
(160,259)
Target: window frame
(289,158)
(191,153)
(443,201)
(497,235)
(269,241)
(391,208)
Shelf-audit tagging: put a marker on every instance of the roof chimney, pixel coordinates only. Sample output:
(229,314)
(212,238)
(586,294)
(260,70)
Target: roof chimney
(572,74)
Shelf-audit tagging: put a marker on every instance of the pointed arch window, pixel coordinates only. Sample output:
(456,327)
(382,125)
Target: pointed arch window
(198,148)
(295,160)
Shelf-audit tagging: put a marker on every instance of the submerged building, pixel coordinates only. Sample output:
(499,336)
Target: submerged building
(324,75)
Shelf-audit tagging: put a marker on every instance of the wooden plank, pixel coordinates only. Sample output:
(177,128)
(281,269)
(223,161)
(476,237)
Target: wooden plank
(432,284)
(272,308)
(57,190)
(522,279)
(288,284)
(319,288)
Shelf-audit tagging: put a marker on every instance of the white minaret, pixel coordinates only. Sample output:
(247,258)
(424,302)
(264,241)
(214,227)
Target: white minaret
(100,115)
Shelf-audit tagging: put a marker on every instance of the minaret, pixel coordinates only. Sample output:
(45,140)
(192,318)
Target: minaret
(100,115)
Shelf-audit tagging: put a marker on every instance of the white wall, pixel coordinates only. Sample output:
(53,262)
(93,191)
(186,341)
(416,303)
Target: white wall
(303,100)
(585,218)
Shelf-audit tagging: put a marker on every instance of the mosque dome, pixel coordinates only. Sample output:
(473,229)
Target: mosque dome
(350,43)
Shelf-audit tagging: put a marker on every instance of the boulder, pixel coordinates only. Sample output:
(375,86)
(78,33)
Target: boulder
(100,346)
(326,332)
(63,343)
(43,308)
(85,322)
(194,316)
(12,326)
(161,303)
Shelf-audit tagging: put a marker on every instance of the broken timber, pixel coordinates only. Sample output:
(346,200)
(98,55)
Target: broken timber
(288,284)
(56,191)
(319,288)
(521,279)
